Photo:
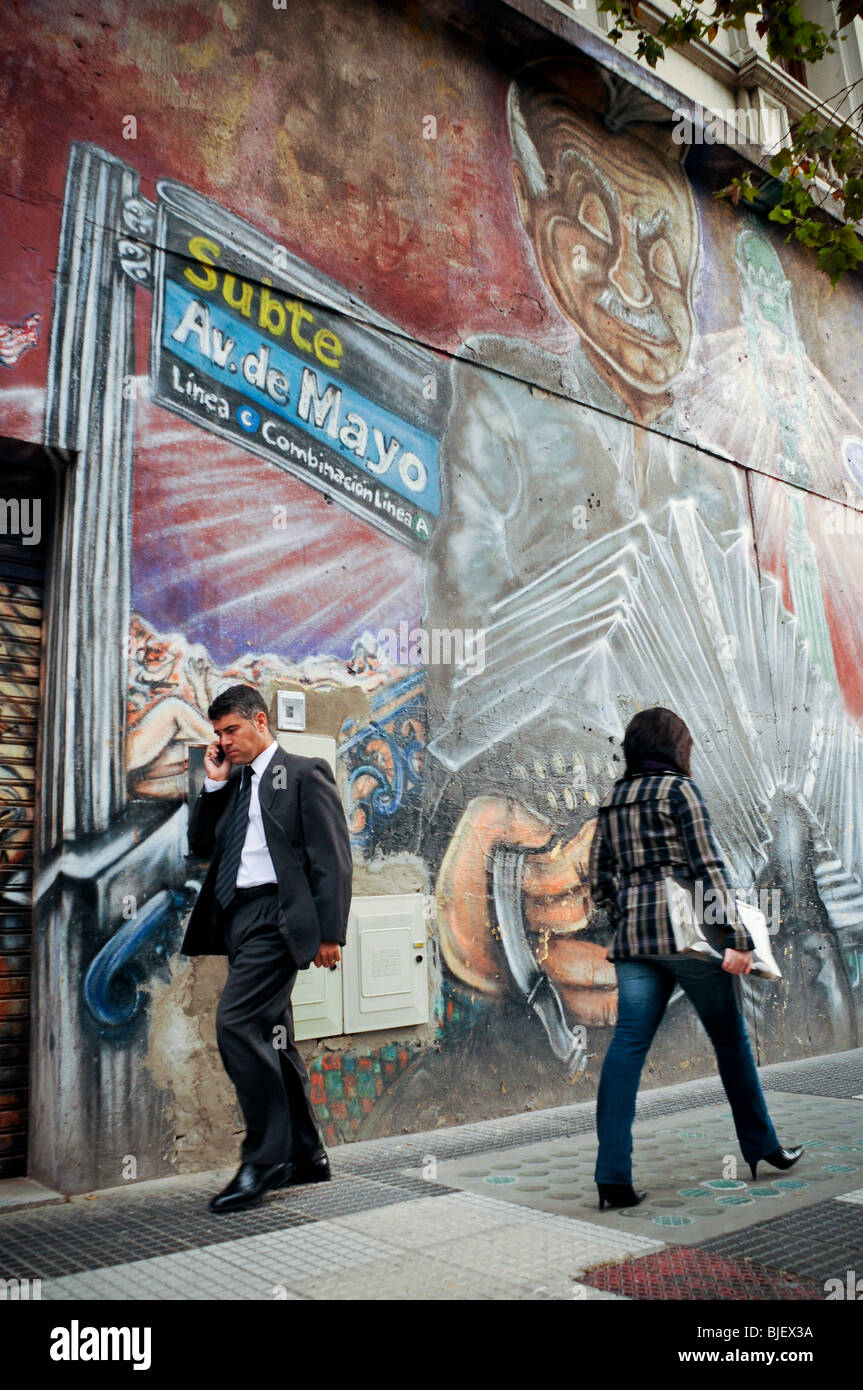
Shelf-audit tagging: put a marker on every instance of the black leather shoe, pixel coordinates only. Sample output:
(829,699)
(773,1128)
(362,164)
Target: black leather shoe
(248,1186)
(618,1194)
(313,1170)
(780,1158)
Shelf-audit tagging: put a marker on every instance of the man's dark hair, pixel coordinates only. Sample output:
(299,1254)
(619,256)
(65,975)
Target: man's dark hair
(656,735)
(238,699)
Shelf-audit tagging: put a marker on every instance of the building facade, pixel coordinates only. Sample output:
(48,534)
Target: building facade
(400,361)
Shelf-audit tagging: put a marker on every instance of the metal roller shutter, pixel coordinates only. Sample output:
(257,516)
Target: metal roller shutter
(21,590)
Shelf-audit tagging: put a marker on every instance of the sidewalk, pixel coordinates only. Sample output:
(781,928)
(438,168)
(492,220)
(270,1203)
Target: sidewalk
(500,1210)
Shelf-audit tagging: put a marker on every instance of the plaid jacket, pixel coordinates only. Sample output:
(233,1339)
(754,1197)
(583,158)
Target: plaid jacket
(647,827)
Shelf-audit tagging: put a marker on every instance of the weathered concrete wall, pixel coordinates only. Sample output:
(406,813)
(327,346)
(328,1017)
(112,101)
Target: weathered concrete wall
(416,344)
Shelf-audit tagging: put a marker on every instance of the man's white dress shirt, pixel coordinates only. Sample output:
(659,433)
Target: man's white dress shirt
(256,866)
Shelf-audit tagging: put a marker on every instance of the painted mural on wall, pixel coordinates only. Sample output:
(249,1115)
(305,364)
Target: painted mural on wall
(608,555)
(607,443)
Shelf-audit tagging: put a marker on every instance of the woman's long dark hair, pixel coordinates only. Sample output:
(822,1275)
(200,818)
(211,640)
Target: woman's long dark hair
(656,735)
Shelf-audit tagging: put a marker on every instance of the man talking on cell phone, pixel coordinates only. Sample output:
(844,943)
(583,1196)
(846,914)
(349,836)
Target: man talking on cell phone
(275,898)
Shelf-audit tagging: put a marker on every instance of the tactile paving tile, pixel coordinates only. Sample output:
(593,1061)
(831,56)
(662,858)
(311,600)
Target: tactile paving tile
(807,1076)
(320,1201)
(61,1240)
(290,1262)
(681,1161)
(430,1279)
(652,1106)
(534,1253)
(386,1155)
(323,1262)
(408,1185)
(839,1075)
(819,1242)
(518,1243)
(410,1278)
(412,1225)
(684,1273)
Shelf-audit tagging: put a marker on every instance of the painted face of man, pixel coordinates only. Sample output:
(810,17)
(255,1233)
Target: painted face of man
(617,244)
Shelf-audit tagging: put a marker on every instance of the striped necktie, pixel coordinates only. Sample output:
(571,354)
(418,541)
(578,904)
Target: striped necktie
(232,849)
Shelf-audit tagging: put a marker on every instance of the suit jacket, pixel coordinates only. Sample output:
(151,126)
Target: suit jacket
(307,836)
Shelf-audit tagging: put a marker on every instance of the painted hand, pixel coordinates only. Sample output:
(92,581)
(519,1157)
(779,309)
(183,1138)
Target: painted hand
(556,908)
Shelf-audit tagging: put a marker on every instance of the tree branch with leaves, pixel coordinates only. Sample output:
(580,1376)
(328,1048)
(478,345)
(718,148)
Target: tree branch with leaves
(823,160)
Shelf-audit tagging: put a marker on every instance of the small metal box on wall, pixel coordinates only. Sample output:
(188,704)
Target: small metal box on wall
(385,977)
(317,1003)
(310,746)
(383,980)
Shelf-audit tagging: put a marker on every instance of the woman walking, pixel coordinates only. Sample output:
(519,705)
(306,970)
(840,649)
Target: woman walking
(654,823)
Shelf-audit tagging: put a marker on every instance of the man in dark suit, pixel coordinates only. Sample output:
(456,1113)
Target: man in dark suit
(274,899)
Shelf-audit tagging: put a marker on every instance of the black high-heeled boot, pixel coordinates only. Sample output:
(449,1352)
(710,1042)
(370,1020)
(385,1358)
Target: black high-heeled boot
(779,1158)
(618,1194)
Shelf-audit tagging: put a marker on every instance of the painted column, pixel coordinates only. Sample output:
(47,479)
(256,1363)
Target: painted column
(94,1111)
(88,413)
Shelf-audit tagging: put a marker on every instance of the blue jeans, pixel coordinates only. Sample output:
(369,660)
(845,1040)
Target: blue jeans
(644,988)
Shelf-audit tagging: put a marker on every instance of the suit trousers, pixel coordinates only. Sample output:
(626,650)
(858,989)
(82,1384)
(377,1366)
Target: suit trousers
(255,1034)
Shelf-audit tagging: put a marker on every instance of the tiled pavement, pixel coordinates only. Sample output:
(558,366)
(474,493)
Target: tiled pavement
(690,1165)
(499,1210)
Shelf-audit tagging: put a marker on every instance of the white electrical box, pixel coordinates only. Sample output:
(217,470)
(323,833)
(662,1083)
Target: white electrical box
(383,980)
(384,969)
(290,709)
(317,1003)
(310,746)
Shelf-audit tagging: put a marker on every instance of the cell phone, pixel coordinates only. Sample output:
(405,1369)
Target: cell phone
(219,756)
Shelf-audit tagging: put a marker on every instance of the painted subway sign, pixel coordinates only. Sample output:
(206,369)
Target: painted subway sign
(344,404)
